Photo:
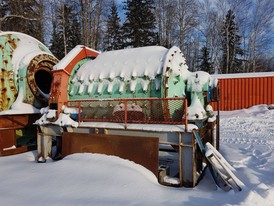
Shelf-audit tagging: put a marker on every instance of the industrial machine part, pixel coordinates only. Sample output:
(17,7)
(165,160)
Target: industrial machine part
(120,96)
(26,78)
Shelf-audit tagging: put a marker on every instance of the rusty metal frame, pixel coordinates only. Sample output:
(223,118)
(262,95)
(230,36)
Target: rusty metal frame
(194,166)
(8,126)
(180,160)
(184,120)
(105,142)
(141,150)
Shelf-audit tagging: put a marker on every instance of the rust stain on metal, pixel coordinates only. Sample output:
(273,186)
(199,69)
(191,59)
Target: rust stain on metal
(55,88)
(40,62)
(7,138)
(8,91)
(11,41)
(17,120)
(141,150)
(8,125)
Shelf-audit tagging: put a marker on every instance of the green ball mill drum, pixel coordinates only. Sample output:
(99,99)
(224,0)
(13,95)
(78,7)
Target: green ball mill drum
(26,65)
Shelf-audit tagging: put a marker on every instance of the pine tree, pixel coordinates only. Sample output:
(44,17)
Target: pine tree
(56,47)
(139,27)
(66,31)
(113,37)
(74,33)
(231,45)
(205,65)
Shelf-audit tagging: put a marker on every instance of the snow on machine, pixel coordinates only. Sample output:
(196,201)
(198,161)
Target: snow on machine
(140,104)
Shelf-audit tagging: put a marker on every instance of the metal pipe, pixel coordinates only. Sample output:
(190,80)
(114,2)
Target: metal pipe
(194,168)
(180,160)
(186,120)
(79,112)
(218,127)
(125,114)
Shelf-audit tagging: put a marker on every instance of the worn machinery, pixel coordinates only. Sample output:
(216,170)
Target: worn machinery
(26,76)
(141,104)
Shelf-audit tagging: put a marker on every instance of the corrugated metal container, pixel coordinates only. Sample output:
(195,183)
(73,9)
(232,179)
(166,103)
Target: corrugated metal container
(238,91)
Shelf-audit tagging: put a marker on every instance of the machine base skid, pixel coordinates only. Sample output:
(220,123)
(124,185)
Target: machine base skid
(141,150)
(9,125)
(14,151)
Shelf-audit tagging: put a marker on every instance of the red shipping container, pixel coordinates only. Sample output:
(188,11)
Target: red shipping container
(239,91)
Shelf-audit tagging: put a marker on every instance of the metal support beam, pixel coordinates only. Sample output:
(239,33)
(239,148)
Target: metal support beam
(44,145)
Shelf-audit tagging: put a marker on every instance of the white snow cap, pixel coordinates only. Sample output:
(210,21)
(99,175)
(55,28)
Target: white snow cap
(196,110)
(63,119)
(175,60)
(197,79)
(69,57)
(134,65)
(69,110)
(144,61)
(244,75)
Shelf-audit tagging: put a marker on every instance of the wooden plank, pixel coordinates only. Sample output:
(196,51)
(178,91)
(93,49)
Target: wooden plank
(141,150)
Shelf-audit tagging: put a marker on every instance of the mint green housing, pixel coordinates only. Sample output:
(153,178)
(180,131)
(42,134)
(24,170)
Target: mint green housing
(21,57)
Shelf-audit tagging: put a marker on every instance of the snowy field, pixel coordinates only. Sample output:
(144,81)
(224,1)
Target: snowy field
(247,142)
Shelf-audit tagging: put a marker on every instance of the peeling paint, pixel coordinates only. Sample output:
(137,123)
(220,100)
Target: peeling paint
(15,47)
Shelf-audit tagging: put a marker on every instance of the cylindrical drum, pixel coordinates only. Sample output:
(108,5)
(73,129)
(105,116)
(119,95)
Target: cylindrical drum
(26,66)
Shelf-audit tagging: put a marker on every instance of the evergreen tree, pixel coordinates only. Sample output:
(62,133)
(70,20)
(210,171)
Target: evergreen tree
(231,45)
(139,27)
(56,44)
(74,33)
(66,31)
(205,65)
(22,16)
(113,37)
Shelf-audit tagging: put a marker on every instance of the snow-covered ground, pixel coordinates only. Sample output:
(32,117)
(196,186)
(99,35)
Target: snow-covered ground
(247,142)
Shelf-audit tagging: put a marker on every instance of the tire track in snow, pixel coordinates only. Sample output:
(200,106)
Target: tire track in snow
(248,130)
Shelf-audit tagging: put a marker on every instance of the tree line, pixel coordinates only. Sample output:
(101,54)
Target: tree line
(222,36)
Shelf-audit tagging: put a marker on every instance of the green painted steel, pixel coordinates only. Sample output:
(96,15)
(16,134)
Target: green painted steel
(21,57)
(8,87)
(92,91)
(146,72)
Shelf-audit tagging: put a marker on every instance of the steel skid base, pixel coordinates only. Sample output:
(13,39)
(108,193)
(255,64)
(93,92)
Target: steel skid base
(17,134)
(172,156)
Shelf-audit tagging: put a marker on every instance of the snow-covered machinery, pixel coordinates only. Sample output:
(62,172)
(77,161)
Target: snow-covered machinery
(139,103)
(25,85)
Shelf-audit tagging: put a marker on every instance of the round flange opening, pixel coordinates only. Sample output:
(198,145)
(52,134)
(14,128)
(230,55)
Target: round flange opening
(43,79)
(39,76)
